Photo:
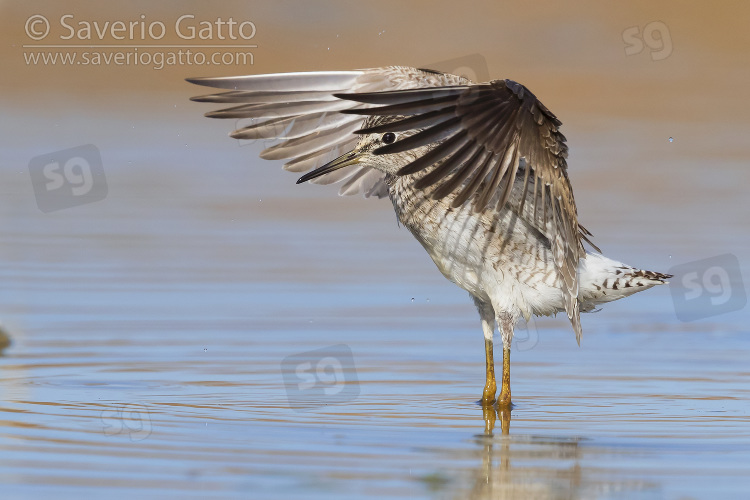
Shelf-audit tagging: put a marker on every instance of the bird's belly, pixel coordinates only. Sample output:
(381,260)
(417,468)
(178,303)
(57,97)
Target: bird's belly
(457,260)
(456,240)
(495,259)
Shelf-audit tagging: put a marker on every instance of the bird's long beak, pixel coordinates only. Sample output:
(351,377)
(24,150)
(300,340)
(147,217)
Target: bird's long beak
(350,158)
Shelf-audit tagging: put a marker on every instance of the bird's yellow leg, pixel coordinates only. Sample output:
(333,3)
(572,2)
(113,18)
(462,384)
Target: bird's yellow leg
(490,386)
(504,400)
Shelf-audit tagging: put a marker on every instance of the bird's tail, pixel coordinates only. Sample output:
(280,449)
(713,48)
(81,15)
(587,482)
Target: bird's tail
(604,280)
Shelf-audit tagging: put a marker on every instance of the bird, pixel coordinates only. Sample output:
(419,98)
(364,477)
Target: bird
(477,172)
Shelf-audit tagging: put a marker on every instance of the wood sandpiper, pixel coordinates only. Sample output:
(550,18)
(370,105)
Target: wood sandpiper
(476,172)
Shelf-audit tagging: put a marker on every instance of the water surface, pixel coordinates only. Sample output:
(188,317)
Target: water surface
(160,338)
(148,334)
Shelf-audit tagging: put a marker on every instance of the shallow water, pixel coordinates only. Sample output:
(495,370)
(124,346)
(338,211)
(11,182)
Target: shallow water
(152,334)
(210,330)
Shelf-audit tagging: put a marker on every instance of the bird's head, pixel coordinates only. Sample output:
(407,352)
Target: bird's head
(374,136)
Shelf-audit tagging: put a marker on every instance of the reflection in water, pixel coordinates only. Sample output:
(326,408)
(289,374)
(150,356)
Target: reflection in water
(531,467)
(499,479)
(4,340)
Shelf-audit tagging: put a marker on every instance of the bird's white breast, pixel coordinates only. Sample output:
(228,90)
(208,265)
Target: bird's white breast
(494,257)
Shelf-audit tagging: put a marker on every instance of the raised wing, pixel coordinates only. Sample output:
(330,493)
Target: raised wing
(301,110)
(486,139)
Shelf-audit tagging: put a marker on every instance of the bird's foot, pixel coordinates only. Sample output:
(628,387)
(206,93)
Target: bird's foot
(504,401)
(488,396)
(487,402)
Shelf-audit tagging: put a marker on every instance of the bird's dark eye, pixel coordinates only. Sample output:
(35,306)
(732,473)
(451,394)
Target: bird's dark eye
(388,137)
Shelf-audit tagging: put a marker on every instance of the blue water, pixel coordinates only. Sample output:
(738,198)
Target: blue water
(149,331)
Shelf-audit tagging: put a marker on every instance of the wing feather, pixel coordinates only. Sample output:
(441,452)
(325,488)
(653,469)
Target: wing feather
(318,158)
(300,109)
(304,112)
(292,127)
(488,141)
(494,145)
(312,142)
(287,82)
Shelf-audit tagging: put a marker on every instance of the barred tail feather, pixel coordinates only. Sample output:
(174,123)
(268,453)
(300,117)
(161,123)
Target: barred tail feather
(604,280)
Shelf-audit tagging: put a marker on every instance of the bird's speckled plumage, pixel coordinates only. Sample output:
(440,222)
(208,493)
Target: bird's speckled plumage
(501,259)
(476,172)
